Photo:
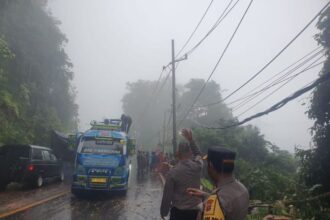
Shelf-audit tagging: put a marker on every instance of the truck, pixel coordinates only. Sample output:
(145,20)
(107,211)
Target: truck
(102,158)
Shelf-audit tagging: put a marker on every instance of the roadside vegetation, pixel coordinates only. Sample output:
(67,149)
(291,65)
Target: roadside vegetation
(295,185)
(36,94)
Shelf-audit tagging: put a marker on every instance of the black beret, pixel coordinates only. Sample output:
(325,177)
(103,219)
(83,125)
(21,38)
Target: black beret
(220,155)
(222,159)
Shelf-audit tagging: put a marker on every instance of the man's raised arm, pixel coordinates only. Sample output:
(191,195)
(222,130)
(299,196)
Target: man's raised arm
(187,134)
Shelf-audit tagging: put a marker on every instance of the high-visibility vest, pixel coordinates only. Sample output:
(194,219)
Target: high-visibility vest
(213,209)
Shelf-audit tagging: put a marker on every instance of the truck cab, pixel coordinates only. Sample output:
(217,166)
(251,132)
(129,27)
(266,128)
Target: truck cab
(101,162)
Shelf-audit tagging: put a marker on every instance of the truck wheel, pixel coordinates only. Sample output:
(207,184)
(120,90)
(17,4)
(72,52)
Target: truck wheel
(122,192)
(76,192)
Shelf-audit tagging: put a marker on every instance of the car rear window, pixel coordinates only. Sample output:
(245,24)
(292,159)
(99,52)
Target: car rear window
(46,155)
(53,157)
(16,152)
(36,154)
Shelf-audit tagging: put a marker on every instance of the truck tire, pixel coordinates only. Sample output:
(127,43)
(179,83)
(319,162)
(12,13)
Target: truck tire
(76,192)
(123,192)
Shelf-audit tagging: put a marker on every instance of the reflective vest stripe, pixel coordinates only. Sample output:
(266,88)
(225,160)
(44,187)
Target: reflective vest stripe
(213,209)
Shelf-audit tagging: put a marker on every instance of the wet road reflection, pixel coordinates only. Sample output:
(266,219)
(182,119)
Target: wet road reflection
(141,202)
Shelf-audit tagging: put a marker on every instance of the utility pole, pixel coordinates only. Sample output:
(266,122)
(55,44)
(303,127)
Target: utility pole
(173,98)
(164,131)
(174,94)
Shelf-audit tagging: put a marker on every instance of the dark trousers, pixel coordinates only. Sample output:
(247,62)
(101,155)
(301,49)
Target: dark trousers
(177,214)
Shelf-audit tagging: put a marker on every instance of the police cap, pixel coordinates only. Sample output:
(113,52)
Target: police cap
(222,158)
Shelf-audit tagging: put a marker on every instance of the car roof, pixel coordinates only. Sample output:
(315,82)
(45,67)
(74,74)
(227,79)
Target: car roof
(39,147)
(27,145)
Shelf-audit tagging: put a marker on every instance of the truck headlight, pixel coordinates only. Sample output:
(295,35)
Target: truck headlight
(119,171)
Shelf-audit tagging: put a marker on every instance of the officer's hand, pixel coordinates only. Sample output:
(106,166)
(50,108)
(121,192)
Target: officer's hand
(187,134)
(166,165)
(196,192)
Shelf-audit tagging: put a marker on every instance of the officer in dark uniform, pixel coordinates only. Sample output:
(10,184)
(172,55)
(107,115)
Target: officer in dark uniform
(230,200)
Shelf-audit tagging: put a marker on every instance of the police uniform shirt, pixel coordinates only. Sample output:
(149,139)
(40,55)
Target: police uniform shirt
(234,199)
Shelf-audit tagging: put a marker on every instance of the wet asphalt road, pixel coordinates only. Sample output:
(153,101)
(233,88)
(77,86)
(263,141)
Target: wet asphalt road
(141,202)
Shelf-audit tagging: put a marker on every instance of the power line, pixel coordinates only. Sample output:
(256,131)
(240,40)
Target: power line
(151,99)
(216,65)
(169,121)
(281,103)
(290,79)
(257,87)
(278,54)
(194,31)
(275,82)
(156,92)
(163,84)
(279,80)
(159,78)
(215,25)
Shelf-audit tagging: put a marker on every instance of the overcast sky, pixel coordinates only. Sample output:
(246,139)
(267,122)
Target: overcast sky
(112,42)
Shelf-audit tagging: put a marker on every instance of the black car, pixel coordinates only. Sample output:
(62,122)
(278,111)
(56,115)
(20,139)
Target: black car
(28,164)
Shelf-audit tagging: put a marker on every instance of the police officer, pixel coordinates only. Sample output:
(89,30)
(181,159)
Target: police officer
(230,200)
(186,173)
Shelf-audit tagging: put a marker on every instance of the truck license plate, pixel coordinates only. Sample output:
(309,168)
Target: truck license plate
(98,180)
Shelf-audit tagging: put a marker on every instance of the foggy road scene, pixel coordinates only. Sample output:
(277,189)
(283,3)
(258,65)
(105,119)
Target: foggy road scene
(141,202)
(165,109)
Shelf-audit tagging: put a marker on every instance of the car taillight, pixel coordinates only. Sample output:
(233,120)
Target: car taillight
(31,167)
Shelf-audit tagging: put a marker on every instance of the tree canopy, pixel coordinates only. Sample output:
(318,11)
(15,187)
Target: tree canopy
(320,113)
(261,165)
(314,163)
(36,94)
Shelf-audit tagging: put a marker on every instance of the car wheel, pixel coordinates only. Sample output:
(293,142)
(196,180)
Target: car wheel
(61,177)
(39,181)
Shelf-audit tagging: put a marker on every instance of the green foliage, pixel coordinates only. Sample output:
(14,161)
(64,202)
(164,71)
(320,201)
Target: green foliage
(262,167)
(314,163)
(320,113)
(209,115)
(35,74)
(207,185)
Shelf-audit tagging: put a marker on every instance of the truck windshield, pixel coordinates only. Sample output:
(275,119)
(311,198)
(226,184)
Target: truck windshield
(100,147)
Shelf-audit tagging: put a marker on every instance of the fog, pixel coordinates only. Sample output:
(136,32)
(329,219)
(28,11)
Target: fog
(111,42)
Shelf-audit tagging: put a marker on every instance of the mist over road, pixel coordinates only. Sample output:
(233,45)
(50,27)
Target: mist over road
(141,202)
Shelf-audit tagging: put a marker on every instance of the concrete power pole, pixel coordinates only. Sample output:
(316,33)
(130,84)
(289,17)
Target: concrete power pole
(164,131)
(174,95)
(173,98)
